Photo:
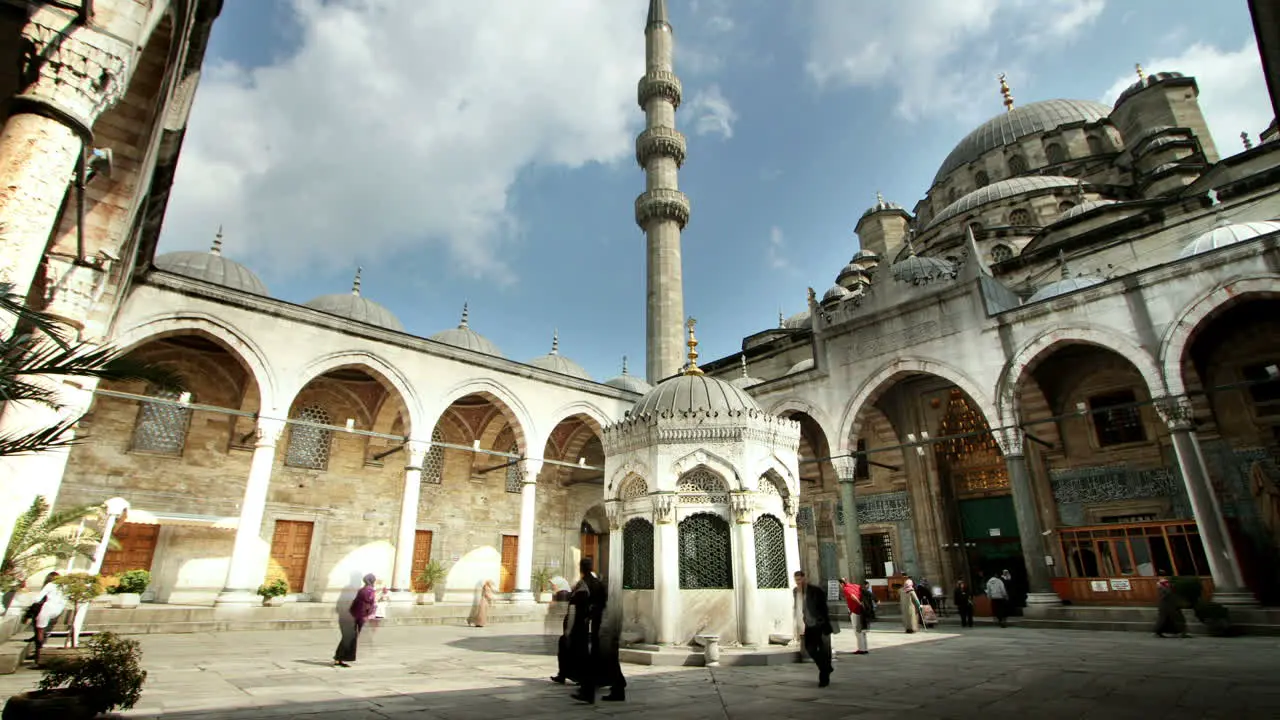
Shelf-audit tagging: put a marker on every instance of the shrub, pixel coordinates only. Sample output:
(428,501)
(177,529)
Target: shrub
(132,581)
(433,573)
(279,587)
(541,579)
(109,676)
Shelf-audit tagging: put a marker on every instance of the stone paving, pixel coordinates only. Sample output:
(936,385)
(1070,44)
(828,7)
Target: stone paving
(498,672)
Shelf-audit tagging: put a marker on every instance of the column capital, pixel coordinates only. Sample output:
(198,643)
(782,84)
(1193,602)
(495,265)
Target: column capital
(72,70)
(531,469)
(415,452)
(664,507)
(1012,441)
(613,513)
(846,468)
(267,432)
(744,505)
(1176,412)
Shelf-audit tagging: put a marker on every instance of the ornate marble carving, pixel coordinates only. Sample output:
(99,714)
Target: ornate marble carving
(613,513)
(662,204)
(266,433)
(744,504)
(659,83)
(889,342)
(81,71)
(1012,441)
(72,290)
(660,142)
(664,507)
(1176,412)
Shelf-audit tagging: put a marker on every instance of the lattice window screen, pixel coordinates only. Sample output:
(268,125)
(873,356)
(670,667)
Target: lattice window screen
(634,487)
(1002,252)
(771,553)
(637,555)
(515,472)
(769,487)
(700,486)
(433,463)
(309,446)
(706,561)
(161,427)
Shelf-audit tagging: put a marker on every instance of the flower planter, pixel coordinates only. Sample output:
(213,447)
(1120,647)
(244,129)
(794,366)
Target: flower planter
(127,601)
(544,597)
(64,704)
(276,601)
(427,598)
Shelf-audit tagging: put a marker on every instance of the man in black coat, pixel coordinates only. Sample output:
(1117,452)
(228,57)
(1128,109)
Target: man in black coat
(592,665)
(817,626)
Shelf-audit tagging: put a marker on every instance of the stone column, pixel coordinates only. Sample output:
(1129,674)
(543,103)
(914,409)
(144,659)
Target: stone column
(407,531)
(614,609)
(745,577)
(524,551)
(1030,532)
(666,570)
(1229,588)
(72,73)
(246,570)
(846,470)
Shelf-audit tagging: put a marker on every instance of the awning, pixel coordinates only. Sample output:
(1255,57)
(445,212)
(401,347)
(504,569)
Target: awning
(146,517)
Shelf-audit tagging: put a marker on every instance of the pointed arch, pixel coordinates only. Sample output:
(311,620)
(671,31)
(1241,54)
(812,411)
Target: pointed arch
(598,418)
(785,475)
(1180,333)
(800,405)
(508,404)
(712,462)
(614,485)
(380,369)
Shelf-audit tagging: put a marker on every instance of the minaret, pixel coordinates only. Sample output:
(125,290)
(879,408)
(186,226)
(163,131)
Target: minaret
(662,210)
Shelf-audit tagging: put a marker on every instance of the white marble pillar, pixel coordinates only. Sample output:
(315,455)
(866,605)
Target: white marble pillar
(792,537)
(1228,582)
(247,568)
(746,587)
(613,581)
(666,570)
(1030,532)
(407,530)
(524,550)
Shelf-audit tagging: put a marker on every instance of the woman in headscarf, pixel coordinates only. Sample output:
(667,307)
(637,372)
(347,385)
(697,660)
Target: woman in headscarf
(910,606)
(1169,618)
(362,609)
(480,611)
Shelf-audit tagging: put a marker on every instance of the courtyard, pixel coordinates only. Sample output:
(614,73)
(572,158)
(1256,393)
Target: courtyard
(501,671)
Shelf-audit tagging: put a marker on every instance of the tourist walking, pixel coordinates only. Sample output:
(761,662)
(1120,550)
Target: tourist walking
(999,595)
(362,608)
(964,604)
(910,606)
(45,611)
(480,611)
(1169,618)
(856,600)
(586,608)
(812,602)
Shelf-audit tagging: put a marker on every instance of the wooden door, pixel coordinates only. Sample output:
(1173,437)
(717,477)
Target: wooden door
(291,549)
(421,556)
(591,549)
(510,551)
(137,548)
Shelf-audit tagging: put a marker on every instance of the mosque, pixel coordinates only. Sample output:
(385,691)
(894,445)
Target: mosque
(1063,361)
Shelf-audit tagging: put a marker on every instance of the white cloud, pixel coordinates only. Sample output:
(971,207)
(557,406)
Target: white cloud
(712,113)
(777,250)
(930,50)
(1233,92)
(402,123)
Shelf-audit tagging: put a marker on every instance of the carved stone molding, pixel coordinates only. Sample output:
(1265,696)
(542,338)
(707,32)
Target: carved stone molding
(659,83)
(1012,441)
(73,68)
(660,142)
(415,452)
(664,507)
(846,468)
(71,292)
(613,513)
(1176,412)
(744,504)
(662,204)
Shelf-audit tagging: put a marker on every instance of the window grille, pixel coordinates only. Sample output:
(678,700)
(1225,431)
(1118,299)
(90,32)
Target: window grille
(1000,253)
(700,486)
(877,549)
(981,179)
(637,555)
(1017,165)
(705,558)
(309,446)
(1065,205)
(433,463)
(1116,421)
(515,471)
(1020,217)
(769,487)
(771,553)
(1055,154)
(634,487)
(162,427)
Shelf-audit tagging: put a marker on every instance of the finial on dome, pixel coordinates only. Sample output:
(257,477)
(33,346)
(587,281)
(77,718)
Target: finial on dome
(1142,75)
(782,321)
(624,364)
(466,314)
(1062,262)
(911,246)
(1244,137)
(693,368)
(355,284)
(743,358)
(879,198)
(555,341)
(218,242)
(1079,191)
(1004,91)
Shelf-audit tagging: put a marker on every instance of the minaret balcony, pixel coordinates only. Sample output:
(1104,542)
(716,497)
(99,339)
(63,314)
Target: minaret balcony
(662,204)
(659,83)
(660,142)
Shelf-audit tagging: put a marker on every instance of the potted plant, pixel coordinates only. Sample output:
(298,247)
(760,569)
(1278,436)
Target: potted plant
(432,574)
(106,677)
(541,580)
(80,589)
(127,592)
(273,592)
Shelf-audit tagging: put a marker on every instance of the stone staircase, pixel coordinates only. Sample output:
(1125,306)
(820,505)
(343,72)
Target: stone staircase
(1248,620)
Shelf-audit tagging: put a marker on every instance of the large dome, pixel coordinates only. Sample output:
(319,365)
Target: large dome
(1006,128)
(464,337)
(354,307)
(212,267)
(696,394)
(555,362)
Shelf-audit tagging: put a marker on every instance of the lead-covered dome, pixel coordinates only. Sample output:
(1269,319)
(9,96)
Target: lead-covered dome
(352,306)
(1084,207)
(1226,233)
(1006,128)
(212,267)
(629,382)
(1002,190)
(745,380)
(921,270)
(555,362)
(464,337)
(694,394)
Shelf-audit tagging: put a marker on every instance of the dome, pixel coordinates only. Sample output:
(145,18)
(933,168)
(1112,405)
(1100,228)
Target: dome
(864,258)
(694,394)
(354,307)
(1012,187)
(799,321)
(1006,128)
(1227,233)
(212,267)
(835,294)
(919,270)
(746,381)
(557,363)
(805,364)
(882,205)
(464,337)
(628,382)
(1145,82)
(1084,207)
(852,270)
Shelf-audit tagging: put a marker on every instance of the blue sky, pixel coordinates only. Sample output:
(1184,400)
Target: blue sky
(483,150)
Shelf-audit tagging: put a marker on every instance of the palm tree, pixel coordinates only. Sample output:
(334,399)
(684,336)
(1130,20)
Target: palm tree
(39,534)
(42,347)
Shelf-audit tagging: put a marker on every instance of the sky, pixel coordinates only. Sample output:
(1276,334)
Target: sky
(483,150)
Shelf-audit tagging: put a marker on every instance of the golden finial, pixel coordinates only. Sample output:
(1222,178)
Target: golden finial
(1244,137)
(1008,94)
(1142,75)
(693,368)
(217,243)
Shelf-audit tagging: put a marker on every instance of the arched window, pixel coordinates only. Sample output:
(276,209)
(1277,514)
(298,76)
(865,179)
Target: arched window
(977,229)
(433,463)
(1065,205)
(1000,253)
(700,486)
(981,179)
(309,446)
(1096,146)
(705,559)
(771,553)
(633,488)
(637,555)
(515,471)
(1020,217)
(1017,165)
(953,195)
(161,428)
(1055,153)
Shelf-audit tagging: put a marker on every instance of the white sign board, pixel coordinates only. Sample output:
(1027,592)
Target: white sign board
(888,569)
(1120,585)
(1098,585)
(833,590)
(994,532)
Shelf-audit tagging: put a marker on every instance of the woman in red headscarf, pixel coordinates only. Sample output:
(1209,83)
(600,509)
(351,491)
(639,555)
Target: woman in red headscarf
(1169,620)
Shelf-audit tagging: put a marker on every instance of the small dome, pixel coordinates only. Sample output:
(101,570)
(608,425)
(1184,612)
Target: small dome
(354,307)
(464,337)
(1012,187)
(1084,207)
(628,382)
(746,381)
(805,364)
(212,267)
(851,274)
(1064,286)
(834,295)
(881,206)
(1145,82)
(920,270)
(695,394)
(557,363)
(1226,233)
(799,321)
(865,258)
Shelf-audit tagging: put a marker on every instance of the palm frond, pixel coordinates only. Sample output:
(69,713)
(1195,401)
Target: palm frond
(55,437)
(83,360)
(16,305)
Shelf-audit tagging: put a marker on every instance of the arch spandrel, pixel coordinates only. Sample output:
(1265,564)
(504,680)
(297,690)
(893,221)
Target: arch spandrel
(1180,333)
(799,405)
(377,367)
(711,461)
(629,468)
(517,414)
